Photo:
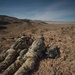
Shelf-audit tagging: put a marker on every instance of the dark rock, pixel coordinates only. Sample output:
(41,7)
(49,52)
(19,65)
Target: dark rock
(59,73)
(51,39)
(3,38)
(59,40)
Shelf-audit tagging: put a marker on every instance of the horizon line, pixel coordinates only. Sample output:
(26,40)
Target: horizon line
(36,19)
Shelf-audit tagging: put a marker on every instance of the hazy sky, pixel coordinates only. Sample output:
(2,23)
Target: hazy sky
(48,10)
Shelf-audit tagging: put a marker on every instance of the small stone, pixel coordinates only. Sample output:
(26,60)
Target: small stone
(67,73)
(3,38)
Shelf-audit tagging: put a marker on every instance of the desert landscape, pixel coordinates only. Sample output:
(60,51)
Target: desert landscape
(61,34)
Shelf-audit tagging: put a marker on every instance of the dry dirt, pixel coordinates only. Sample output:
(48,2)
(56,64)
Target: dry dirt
(60,34)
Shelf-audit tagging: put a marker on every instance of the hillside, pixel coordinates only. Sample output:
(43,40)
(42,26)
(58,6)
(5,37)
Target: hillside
(61,34)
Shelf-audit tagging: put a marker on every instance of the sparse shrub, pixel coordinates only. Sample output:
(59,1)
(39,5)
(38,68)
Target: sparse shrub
(44,30)
(41,31)
(34,31)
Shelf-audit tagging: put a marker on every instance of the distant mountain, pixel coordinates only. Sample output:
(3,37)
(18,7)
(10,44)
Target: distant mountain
(4,20)
(8,20)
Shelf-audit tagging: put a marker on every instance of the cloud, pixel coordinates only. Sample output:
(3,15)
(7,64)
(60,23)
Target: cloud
(54,12)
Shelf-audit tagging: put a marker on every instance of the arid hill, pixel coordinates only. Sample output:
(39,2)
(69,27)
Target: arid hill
(61,34)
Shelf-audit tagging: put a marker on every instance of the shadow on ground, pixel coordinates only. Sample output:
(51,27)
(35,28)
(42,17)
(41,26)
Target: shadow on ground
(4,23)
(3,27)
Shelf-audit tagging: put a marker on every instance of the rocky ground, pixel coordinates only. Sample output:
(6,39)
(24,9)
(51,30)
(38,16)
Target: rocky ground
(62,35)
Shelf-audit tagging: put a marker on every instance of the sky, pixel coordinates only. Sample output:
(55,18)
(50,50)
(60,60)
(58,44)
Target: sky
(45,10)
